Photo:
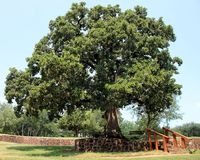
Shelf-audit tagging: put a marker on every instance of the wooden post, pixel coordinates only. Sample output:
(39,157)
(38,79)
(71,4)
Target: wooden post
(184,139)
(165,144)
(166,132)
(183,145)
(156,141)
(175,141)
(149,139)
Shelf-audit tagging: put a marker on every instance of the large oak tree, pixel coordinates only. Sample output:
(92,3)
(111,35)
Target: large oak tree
(100,57)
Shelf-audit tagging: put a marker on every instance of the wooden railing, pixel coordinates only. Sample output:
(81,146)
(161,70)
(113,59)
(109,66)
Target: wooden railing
(164,138)
(184,139)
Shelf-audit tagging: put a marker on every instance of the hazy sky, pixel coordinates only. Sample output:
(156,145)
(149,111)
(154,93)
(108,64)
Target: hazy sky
(24,22)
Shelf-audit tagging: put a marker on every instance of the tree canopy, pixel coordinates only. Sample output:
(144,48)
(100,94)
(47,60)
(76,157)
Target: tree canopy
(98,57)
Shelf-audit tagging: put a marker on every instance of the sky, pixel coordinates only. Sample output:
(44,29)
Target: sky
(23,23)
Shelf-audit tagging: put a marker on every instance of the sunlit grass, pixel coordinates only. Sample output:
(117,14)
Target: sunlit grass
(13,151)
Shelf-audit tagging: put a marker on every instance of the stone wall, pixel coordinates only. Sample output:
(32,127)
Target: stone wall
(109,145)
(41,141)
(89,144)
(194,143)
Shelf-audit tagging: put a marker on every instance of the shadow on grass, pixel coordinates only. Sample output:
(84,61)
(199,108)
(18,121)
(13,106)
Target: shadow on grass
(46,151)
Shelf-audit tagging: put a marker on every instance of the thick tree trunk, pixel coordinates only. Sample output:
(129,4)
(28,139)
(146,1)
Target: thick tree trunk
(112,129)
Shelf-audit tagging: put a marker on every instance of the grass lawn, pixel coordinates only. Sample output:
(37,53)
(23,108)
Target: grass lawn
(13,151)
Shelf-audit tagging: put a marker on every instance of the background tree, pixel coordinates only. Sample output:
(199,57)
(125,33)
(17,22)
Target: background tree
(83,123)
(73,121)
(94,123)
(189,129)
(28,125)
(7,119)
(128,126)
(98,58)
(170,114)
(155,119)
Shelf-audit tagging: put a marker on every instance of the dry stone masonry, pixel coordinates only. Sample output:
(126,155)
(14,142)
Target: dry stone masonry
(110,145)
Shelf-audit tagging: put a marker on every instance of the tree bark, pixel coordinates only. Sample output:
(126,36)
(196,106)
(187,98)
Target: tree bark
(112,129)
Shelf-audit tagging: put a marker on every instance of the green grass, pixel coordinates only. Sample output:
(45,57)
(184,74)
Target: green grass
(13,151)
